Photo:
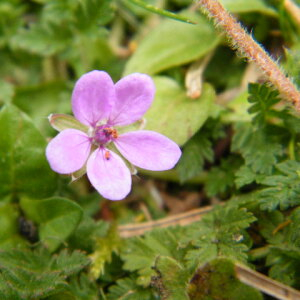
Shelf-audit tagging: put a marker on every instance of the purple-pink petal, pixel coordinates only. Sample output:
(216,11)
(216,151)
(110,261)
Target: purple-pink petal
(93,97)
(68,151)
(134,95)
(148,150)
(109,174)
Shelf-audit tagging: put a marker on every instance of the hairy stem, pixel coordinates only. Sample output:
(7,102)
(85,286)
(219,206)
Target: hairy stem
(249,48)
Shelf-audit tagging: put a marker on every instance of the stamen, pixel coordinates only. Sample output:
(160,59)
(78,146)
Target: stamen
(114,134)
(104,135)
(107,155)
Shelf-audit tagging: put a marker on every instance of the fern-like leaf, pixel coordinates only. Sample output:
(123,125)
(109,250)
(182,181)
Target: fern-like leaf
(262,99)
(127,289)
(32,274)
(219,234)
(282,190)
(139,253)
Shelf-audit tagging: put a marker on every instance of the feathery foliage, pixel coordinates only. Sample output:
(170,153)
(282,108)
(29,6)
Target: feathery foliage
(31,274)
(219,234)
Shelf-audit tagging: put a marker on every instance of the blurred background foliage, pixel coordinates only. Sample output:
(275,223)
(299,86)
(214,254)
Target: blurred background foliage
(59,240)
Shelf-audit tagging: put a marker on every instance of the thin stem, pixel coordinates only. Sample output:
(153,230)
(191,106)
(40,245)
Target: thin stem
(243,42)
(292,148)
(161,12)
(293,10)
(49,73)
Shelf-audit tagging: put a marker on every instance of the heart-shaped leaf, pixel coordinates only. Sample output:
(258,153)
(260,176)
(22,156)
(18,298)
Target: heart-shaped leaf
(57,218)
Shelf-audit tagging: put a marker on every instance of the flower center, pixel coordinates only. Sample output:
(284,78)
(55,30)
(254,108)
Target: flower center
(104,134)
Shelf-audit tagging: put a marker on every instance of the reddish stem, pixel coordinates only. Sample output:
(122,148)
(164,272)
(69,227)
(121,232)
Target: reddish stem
(243,42)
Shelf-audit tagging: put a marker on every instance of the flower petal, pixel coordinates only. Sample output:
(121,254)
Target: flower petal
(148,150)
(134,95)
(109,174)
(68,151)
(93,97)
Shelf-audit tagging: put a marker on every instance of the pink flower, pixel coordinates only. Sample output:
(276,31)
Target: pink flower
(103,107)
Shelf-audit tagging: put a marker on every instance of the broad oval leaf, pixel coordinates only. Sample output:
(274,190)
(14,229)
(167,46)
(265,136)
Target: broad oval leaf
(244,6)
(24,169)
(57,218)
(173,43)
(174,114)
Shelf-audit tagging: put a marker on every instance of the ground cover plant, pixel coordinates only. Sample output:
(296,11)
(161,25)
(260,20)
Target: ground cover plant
(149,149)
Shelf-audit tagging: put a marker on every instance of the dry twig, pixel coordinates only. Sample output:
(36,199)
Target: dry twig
(266,284)
(194,215)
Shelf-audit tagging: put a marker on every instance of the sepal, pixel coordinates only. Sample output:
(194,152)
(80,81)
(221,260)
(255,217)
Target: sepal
(61,122)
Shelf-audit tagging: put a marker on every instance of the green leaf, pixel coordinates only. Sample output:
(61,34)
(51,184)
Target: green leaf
(269,224)
(90,14)
(6,292)
(11,18)
(45,99)
(87,231)
(9,229)
(292,62)
(262,99)
(219,234)
(42,39)
(139,253)
(127,289)
(217,280)
(195,152)
(172,279)
(24,169)
(285,264)
(34,274)
(221,179)
(105,246)
(57,218)
(69,263)
(162,49)
(161,12)
(62,296)
(199,149)
(57,11)
(174,114)
(244,6)
(83,288)
(291,122)
(6,91)
(260,148)
(244,176)
(283,190)
(284,254)
(238,109)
